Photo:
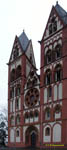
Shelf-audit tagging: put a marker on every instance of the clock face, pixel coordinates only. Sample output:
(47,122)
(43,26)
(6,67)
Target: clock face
(31,97)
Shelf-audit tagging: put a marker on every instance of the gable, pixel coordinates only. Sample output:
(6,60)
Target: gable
(20,46)
(16,50)
(55,22)
(33,80)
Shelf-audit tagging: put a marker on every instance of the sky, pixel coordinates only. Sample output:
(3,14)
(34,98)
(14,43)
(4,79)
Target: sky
(16,16)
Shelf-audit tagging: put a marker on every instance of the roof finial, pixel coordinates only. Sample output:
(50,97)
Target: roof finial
(23,30)
(56,2)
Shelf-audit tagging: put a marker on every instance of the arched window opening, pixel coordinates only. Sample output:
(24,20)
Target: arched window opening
(47,131)
(17,119)
(57,108)
(18,90)
(12,120)
(17,133)
(58,73)
(49,92)
(34,81)
(26,116)
(31,58)
(53,25)
(17,103)
(36,114)
(18,72)
(48,77)
(58,51)
(16,52)
(12,93)
(48,57)
(57,112)
(50,29)
(31,114)
(12,75)
(29,83)
(32,73)
(47,114)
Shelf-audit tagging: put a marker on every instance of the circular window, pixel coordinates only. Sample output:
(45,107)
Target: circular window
(31,97)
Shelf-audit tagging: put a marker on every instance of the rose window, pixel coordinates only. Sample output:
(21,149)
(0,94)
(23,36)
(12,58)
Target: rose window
(31,97)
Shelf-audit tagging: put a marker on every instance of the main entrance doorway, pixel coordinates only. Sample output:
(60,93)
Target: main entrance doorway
(33,139)
(31,136)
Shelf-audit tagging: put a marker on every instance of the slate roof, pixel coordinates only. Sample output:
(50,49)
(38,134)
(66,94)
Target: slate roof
(62,13)
(23,40)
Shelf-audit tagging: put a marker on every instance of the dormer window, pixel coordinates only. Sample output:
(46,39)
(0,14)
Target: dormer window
(53,25)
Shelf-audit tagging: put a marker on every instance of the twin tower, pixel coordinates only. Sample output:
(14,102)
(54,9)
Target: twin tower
(37,104)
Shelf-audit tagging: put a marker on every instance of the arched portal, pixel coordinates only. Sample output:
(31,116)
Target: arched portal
(33,139)
(31,136)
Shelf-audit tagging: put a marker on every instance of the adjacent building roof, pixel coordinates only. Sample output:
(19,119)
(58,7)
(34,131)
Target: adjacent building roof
(24,41)
(62,13)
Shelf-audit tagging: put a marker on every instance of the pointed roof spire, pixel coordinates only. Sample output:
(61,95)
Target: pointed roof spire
(23,40)
(62,13)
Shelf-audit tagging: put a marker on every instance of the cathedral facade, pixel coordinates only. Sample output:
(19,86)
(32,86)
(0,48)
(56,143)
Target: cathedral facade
(37,104)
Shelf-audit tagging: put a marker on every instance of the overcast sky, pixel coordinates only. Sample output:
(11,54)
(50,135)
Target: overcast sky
(16,15)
